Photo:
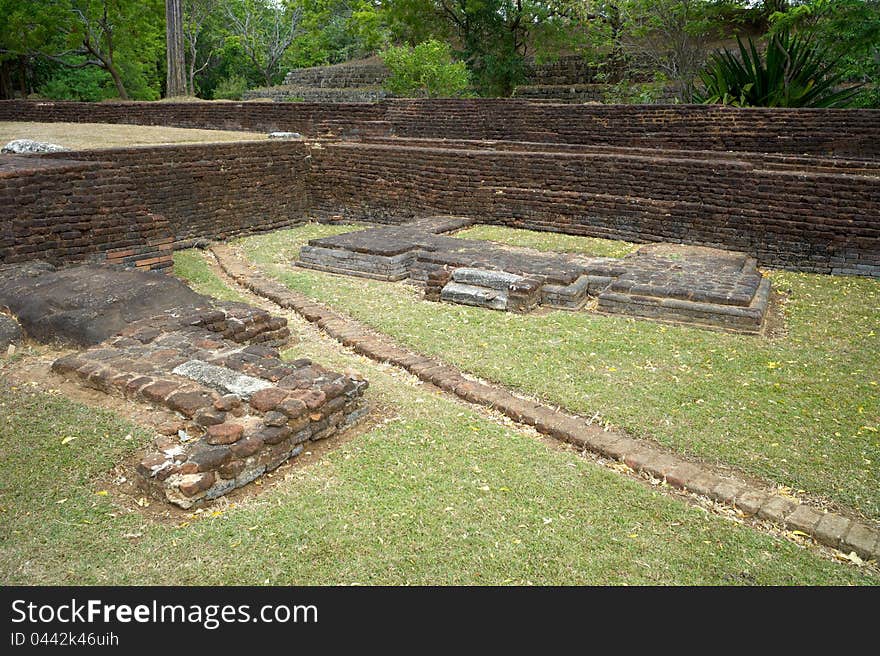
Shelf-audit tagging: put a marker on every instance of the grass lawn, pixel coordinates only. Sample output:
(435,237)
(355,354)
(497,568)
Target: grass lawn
(437,493)
(802,410)
(192,267)
(549,241)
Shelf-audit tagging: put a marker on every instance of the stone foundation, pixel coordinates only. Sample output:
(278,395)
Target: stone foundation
(700,286)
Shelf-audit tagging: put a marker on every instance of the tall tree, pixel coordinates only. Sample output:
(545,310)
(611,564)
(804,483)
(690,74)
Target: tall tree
(176,77)
(265,29)
(195,17)
(116,36)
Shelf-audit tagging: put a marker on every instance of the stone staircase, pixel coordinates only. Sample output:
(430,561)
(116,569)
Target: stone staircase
(359,81)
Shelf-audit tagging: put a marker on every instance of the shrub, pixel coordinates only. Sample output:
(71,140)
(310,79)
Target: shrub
(230,88)
(90,84)
(428,69)
(792,72)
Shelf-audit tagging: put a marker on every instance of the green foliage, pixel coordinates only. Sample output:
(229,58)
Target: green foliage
(427,69)
(628,92)
(792,72)
(369,27)
(624,39)
(498,73)
(87,84)
(850,30)
(231,88)
(121,36)
(492,37)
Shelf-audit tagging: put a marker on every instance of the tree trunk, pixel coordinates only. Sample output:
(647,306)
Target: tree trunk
(117,80)
(176,80)
(6,92)
(22,76)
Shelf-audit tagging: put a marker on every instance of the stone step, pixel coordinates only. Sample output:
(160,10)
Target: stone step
(455,292)
(498,280)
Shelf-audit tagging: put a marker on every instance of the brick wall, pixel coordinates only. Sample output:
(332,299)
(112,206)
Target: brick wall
(811,220)
(846,133)
(305,118)
(63,211)
(804,212)
(131,206)
(215,191)
(339,75)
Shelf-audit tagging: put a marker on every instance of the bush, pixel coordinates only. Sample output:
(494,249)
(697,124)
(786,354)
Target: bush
(89,84)
(427,70)
(230,88)
(627,92)
(792,72)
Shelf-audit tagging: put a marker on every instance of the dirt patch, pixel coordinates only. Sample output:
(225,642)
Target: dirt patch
(774,319)
(90,136)
(33,369)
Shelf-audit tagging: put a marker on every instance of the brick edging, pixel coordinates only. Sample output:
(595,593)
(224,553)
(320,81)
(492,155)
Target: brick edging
(828,528)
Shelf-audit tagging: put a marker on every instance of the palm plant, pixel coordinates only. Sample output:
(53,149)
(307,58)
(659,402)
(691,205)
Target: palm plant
(793,72)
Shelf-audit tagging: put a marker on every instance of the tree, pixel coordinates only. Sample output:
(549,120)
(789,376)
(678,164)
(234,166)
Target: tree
(174,56)
(120,37)
(493,36)
(90,31)
(793,71)
(427,70)
(265,30)
(195,17)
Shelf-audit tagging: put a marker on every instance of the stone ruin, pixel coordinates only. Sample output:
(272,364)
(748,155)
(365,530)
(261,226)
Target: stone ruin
(755,181)
(346,82)
(242,411)
(683,284)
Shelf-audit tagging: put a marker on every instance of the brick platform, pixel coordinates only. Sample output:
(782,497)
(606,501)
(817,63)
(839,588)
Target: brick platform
(700,286)
(244,411)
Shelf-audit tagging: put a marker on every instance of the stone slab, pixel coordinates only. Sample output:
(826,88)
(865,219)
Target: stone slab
(221,378)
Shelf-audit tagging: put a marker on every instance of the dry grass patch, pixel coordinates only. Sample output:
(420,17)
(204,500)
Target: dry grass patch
(89,136)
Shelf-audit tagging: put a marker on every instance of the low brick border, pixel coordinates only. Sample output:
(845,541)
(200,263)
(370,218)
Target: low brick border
(828,528)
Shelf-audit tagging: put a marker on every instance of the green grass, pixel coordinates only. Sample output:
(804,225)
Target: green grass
(549,241)
(435,495)
(802,410)
(192,266)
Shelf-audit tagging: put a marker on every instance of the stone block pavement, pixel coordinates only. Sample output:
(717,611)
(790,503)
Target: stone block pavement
(683,284)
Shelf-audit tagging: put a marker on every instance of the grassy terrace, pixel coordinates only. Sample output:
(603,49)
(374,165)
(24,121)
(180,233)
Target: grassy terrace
(801,410)
(431,492)
(549,241)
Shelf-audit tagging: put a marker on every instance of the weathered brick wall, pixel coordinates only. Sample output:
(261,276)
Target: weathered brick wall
(62,211)
(287,93)
(583,93)
(570,69)
(216,191)
(130,206)
(305,118)
(339,75)
(803,212)
(794,218)
(850,133)
(847,133)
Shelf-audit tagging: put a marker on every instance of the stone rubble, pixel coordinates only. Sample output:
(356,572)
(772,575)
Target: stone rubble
(243,410)
(31,147)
